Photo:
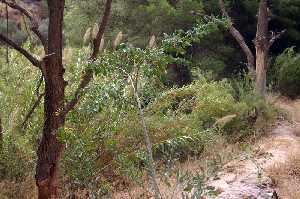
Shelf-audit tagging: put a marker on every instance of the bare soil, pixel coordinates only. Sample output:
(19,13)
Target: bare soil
(269,172)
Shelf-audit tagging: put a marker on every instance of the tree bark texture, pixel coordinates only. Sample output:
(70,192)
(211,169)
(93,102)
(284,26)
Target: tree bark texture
(55,108)
(50,148)
(262,46)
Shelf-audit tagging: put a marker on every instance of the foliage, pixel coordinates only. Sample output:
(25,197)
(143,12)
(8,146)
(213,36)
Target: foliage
(16,160)
(103,135)
(17,90)
(138,19)
(179,41)
(288,66)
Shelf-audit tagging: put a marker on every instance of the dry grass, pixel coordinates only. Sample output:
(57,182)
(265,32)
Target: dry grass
(286,177)
(212,159)
(24,190)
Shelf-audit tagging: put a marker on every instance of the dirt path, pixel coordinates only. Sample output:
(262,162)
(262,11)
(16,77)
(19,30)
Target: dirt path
(247,177)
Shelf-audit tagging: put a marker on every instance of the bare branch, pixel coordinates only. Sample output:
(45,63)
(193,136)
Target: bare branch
(24,52)
(102,27)
(31,111)
(34,24)
(88,75)
(275,36)
(240,39)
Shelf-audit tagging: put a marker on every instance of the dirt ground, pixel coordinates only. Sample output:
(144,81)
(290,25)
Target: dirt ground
(273,170)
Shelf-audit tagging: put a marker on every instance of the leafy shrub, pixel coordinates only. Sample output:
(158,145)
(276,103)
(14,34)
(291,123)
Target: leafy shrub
(214,100)
(288,66)
(16,161)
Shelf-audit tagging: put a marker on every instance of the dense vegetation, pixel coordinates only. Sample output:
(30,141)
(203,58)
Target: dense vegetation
(167,68)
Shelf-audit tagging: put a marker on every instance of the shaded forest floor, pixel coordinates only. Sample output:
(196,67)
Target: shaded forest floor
(270,168)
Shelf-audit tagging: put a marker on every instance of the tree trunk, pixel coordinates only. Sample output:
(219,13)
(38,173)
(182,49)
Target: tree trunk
(50,149)
(240,39)
(55,110)
(261,71)
(262,46)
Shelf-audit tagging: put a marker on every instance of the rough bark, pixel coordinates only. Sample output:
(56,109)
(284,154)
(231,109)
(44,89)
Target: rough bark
(262,46)
(7,51)
(55,110)
(261,71)
(50,148)
(240,39)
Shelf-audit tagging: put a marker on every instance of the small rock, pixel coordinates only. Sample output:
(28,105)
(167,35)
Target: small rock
(230,178)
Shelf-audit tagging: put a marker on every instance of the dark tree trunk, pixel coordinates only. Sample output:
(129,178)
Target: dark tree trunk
(55,108)
(50,148)
(262,46)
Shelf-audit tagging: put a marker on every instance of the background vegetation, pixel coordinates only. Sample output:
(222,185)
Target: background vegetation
(192,81)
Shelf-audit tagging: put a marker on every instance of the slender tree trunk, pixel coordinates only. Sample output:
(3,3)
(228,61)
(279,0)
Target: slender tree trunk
(55,109)
(240,40)
(50,148)
(262,46)
(261,71)
(151,163)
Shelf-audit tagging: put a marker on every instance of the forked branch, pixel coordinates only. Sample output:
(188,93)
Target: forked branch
(275,36)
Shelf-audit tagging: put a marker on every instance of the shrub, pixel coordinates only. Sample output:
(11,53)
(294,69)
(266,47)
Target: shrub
(288,66)
(16,161)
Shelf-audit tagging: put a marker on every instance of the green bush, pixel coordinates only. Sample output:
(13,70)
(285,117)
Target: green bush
(16,160)
(288,66)
(103,135)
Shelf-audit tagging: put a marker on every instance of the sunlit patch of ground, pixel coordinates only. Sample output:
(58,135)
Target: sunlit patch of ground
(24,190)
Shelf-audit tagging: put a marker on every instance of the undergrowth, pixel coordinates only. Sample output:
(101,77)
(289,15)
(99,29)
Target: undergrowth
(105,149)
